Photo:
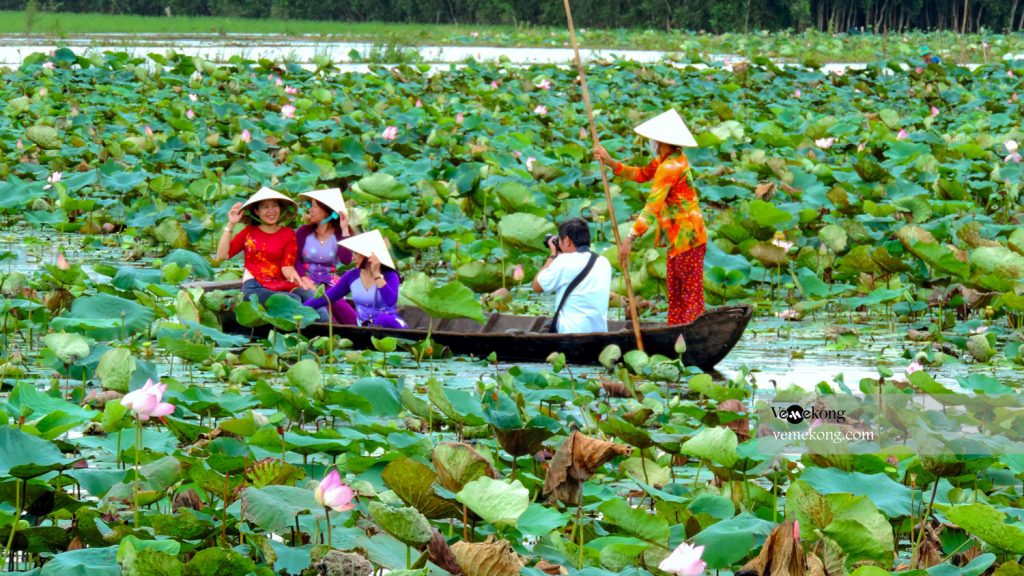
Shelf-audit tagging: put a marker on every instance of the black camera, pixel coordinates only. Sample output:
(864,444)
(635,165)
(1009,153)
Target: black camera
(547,242)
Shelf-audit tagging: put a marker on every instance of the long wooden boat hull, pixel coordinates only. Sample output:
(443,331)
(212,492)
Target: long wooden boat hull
(709,338)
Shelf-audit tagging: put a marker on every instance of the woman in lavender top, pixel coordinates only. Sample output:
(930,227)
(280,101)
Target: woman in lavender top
(319,251)
(372,284)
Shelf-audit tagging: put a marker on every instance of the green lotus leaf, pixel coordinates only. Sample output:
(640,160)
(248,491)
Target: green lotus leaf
(69,348)
(407,525)
(526,231)
(116,368)
(998,261)
(46,137)
(453,300)
(716,445)
(497,502)
(380,187)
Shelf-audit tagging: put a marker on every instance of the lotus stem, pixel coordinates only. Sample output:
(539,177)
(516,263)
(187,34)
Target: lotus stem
(924,518)
(135,495)
(408,557)
(643,466)
(18,504)
(327,514)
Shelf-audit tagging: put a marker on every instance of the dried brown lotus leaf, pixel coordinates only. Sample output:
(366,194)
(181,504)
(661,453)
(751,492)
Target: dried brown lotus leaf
(575,461)
(489,558)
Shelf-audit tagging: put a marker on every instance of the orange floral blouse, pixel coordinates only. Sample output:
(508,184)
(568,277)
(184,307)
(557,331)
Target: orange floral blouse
(672,203)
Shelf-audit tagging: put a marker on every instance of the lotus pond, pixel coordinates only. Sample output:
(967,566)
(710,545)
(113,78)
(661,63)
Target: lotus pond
(872,216)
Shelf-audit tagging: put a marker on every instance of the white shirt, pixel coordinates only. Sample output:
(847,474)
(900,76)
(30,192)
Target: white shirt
(586,309)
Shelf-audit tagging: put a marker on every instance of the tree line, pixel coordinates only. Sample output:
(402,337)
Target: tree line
(717,16)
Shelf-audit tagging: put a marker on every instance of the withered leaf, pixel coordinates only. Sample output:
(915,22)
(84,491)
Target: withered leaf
(781,555)
(575,461)
(442,555)
(488,558)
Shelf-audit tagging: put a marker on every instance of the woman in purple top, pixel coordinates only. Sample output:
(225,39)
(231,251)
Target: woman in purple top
(372,285)
(319,251)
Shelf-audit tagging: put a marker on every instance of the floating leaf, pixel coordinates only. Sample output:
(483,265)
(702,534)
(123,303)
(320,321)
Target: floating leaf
(407,525)
(497,502)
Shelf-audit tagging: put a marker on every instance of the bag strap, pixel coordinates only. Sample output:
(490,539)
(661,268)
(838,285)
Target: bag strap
(572,286)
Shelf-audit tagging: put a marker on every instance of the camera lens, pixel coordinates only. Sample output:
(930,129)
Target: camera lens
(547,241)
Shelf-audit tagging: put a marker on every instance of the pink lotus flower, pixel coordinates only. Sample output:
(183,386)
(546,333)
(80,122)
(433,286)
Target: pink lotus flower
(278,82)
(914,366)
(390,133)
(788,315)
(935,111)
(684,561)
(48,65)
(291,90)
(53,178)
(1011,147)
(459,118)
(540,110)
(902,135)
(43,92)
(825,143)
(19,145)
(197,76)
(797,93)
(918,70)
(419,103)
(530,161)
(518,273)
(193,97)
(544,84)
(148,131)
(246,136)
(1009,73)
(190,114)
(583,133)
(780,241)
(860,147)
(515,153)
(62,262)
(978,330)
(288,111)
(494,84)
(145,403)
(331,493)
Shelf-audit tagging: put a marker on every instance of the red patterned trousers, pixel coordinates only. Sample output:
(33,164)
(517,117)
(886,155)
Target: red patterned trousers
(686,285)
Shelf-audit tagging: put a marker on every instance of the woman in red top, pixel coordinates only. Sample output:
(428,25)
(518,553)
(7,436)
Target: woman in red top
(268,247)
(671,210)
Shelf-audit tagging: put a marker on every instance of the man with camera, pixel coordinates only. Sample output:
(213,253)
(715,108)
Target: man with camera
(581,278)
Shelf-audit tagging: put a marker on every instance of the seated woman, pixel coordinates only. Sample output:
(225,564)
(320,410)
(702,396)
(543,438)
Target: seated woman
(372,284)
(319,251)
(268,248)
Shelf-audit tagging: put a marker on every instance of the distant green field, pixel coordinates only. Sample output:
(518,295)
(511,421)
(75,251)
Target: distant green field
(810,46)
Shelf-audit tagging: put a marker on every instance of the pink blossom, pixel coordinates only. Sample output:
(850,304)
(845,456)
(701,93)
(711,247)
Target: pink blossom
(515,153)
(474,34)
(902,135)
(935,111)
(684,561)
(780,241)
(919,70)
(419,103)
(278,82)
(19,145)
(331,493)
(291,90)
(146,403)
(494,84)
(390,133)
(860,147)
(48,65)
(53,178)
(797,93)
(1009,73)
(459,118)
(530,161)
(190,114)
(43,92)
(62,262)
(978,330)
(583,133)
(193,97)
(197,76)
(108,227)
(840,72)
(825,143)
(788,315)
(246,136)
(288,111)
(544,84)
(518,273)
(1011,147)
(1013,98)
(914,366)
(148,131)
(540,110)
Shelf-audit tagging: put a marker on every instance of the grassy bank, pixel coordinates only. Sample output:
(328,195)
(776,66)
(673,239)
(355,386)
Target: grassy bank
(811,45)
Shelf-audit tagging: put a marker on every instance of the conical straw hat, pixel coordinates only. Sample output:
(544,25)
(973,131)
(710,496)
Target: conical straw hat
(266,194)
(667,127)
(368,244)
(330,197)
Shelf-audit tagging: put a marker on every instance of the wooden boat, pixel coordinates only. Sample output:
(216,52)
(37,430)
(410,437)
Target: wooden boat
(709,338)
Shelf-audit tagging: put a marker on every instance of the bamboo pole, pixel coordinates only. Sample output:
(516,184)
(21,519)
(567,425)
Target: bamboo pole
(604,176)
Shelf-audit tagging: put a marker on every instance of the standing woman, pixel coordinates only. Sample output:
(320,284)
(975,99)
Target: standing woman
(372,284)
(672,210)
(319,243)
(268,248)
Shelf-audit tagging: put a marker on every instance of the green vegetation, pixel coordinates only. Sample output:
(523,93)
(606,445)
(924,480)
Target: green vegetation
(889,194)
